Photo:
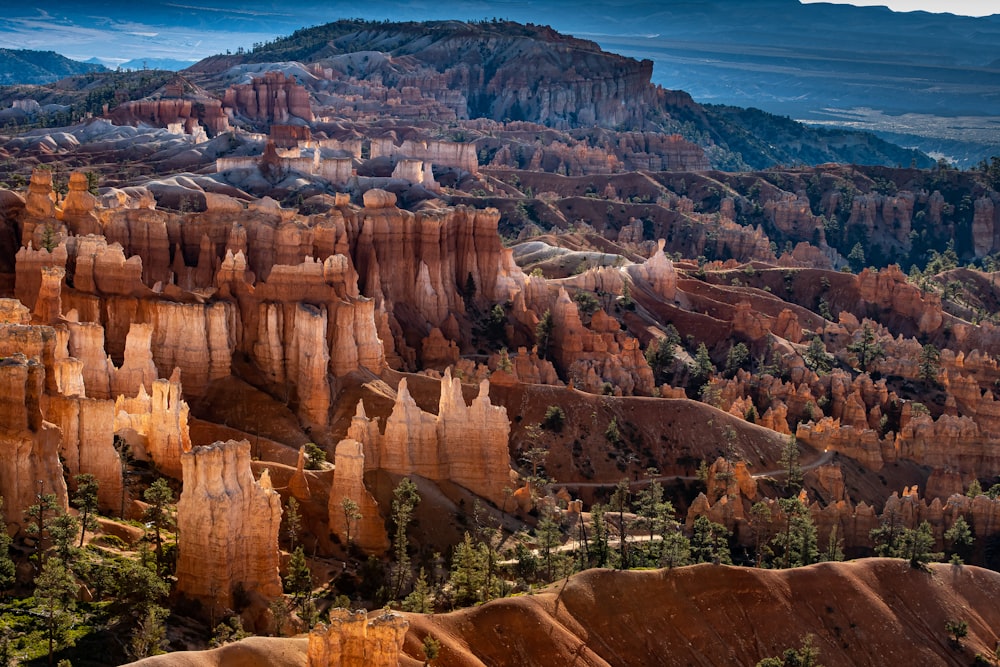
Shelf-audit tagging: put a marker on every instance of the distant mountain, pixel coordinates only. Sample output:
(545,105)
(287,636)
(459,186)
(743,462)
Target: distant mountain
(22,66)
(504,70)
(169,64)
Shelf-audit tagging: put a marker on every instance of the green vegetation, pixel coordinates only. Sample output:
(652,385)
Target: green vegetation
(315,456)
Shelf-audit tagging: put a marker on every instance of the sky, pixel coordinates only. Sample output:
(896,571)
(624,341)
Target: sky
(962,7)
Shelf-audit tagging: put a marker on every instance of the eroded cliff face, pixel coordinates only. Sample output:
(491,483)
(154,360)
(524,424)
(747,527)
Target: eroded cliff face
(229,524)
(466,444)
(273,98)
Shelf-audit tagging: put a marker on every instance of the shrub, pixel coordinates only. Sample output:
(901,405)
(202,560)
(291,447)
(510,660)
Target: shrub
(555,418)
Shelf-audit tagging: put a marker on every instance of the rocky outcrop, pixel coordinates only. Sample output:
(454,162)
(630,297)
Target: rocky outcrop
(889,289)
(229,525)
(598,354)
(29,446)
(352,639)
(272,98)
(658,273)
(367,532)
(465,444)
(156,425)
(192,115)
(441,153)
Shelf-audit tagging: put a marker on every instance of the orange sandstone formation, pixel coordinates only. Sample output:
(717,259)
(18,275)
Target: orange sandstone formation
(352,639)
(229,525)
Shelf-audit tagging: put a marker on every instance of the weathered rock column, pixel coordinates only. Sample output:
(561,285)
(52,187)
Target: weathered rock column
(228,524)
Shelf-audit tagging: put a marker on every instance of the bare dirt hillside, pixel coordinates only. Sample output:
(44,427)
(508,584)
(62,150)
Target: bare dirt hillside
(869,612)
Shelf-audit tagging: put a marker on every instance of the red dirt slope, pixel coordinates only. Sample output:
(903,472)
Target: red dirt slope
(873,612)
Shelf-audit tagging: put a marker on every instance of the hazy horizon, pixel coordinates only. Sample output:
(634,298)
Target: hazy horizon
(976,8)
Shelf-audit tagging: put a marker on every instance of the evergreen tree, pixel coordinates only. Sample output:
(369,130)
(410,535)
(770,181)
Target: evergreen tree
(703,367)
(817,358)
(543,334)
(293,521)
(55,599)
(600,531)
(857,257)
(867,349)
(63,529)
(795,545)
(150,635)
(917,545)
(549,537)
(789,463)
(41,514)
(886,538)
(404,500)
(661,354)
(675,548)
(158,496)
(760,524)
(930,364)
(468,573)
(960,537)
(834,546)
(420,600)
(805,656)
(7,568)
(737,356)
(298,580)
(619,501)
(85,500)
(431,648)
(709,542)
(352,514)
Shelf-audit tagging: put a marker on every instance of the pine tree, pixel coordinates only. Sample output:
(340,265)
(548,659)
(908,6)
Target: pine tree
(796,543)
(709,542)
(543,334)
(760,524)
(549,538)
(620,501)
(675,549)
(737,356)
(789,463)
(960,537)
(63,529)
(298,580)
(867,349)
(352,514)
(85,500)
(600,531)
(7,568)
(158,496)
(404,500)
(293,521)
(917,545)
(468,573)
(419,600)
(930,363)
(817,358)
(41,514)
(55,597)
(703,367)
